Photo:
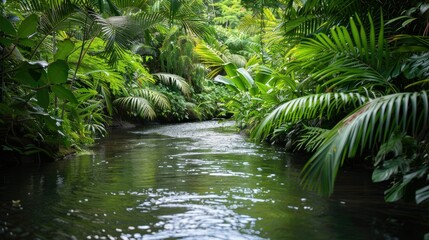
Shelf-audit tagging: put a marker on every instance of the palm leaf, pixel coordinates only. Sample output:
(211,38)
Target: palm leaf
(372,123)
(307,107)
(139,4)
(156,98)
(347,59)
(249,25)
(146,20)
(311,138)
(189,14)
(138,106)
(417,66)
(174,80)
(57,17)
(198,27)
(117,32)
(210,58)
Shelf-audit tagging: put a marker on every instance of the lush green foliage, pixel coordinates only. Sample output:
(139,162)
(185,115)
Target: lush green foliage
(313,75)
(339,84)
(68,68)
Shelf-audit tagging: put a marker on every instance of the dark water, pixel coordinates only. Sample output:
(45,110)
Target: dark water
(192,181)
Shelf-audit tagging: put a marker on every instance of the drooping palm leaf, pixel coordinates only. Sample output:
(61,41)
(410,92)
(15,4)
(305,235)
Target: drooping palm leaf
(174,80)
(307,107)
(186,14)
(138,106)
(142,102)
(211,58)
(56,16)
(157,99)
(147,20)
(372,123)
(417,66)
(190,16)
(249,25)
(139,4)
(117,32)
(311,138)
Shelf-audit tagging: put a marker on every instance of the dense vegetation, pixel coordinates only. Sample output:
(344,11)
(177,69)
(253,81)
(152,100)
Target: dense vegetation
(344,80)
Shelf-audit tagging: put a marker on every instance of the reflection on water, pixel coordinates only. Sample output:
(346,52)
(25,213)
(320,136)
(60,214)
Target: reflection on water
(192,181)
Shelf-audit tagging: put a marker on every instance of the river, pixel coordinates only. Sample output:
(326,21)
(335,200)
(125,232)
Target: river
(193,181)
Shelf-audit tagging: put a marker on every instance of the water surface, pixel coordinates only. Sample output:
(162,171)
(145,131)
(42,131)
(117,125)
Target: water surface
(192,181)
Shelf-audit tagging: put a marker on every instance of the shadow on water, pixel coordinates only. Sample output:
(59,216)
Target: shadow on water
(193,181)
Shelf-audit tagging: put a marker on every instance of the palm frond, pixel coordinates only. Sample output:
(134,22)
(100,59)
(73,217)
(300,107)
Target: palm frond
(187,15)
(372,123)
(198,27)
(411,43)
(311,138)
(146,20)
(237,60)
(249,25)
(156,98)
(210,58)
(348,59)
(117,32)
(57,17)
(135,4)
(35,5)
(307,107)
(417,66)
(174,80)
(138,106)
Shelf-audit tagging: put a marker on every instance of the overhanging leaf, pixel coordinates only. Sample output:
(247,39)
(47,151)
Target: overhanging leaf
(28,26)
(65,47)
(388,169)
(42,96)
(29,74)
(58,72)
(361,129)
(422,194)
(7,27)
(64,93)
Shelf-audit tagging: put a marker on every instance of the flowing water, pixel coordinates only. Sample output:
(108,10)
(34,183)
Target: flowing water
(192,181)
